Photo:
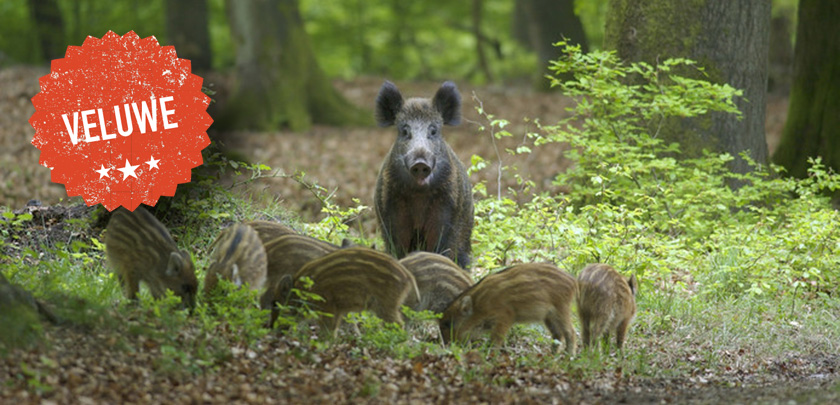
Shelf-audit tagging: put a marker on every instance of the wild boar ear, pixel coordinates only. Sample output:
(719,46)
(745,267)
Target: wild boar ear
(173,268)
(389,102)
(284,286)
(634,286)
(466,306)
(346,243)
(237,280)
(448,103)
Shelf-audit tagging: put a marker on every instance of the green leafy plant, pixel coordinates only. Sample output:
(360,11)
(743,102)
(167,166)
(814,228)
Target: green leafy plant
(635,204)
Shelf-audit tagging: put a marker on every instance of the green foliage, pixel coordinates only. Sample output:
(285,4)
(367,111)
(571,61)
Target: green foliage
(407,40)
(635,204)
(592,15)
(18,38)
(335,224)
(234,309)
(402,40)
(378,334)
(18,41)
(304,305)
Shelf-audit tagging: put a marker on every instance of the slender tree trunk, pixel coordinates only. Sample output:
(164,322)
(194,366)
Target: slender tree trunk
(813,122)
(544,22)
(479,40)
(50,28)
(186,26)
(729,38)
(279,83)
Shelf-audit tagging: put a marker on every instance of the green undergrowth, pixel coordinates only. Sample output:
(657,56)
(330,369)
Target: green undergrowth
(732,280)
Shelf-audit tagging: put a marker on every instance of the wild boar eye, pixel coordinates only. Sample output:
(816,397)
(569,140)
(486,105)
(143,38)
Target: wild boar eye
(404,131)
(433,131)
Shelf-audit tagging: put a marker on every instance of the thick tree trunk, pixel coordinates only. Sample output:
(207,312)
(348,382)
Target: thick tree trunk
(50,28)
(729,38)
(279,83)
(813,122)
(186,26)
(544,22)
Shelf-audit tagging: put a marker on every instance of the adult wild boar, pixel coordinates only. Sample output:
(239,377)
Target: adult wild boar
(423,197)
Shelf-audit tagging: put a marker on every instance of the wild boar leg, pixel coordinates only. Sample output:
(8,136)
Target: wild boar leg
(562,331)
(500,330)
(585,333)
(620,333)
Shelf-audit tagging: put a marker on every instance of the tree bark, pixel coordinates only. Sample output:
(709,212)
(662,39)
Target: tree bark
(49,26)
(729,38)
(278,80)
(813,122)
(186,26)
(544,22)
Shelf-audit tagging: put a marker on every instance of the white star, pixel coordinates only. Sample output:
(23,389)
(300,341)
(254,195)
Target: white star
(153,163)
(128,170)
(103,172)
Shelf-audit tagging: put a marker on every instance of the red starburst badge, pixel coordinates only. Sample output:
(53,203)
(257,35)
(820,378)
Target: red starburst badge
(120,120)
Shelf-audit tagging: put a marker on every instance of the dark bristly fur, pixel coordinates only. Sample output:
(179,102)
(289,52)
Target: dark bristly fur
(139,248)
(524,293)
(438,278)
(238,256)
(606,302)
(423,197)
(356,279)
(286,255)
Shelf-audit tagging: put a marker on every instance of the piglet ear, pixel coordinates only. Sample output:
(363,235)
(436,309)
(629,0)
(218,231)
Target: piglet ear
(447,101)
(389,102)
(175,264)
(466,306)
(284,288)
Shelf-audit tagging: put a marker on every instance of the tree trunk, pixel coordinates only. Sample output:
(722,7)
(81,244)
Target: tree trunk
(186,26)
(479,42)
(729,38)
(279,83)
(49,26)
(813,122)
(780,63)
(544,22)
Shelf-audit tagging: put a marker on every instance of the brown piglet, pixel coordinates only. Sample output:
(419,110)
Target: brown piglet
(239,257)
(140,248)
(606,302)
(523,293)
(438,278)
(286,255)
(352,280)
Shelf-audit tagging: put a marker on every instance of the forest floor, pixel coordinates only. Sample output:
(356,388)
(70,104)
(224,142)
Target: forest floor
(113,363)
(110,353)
